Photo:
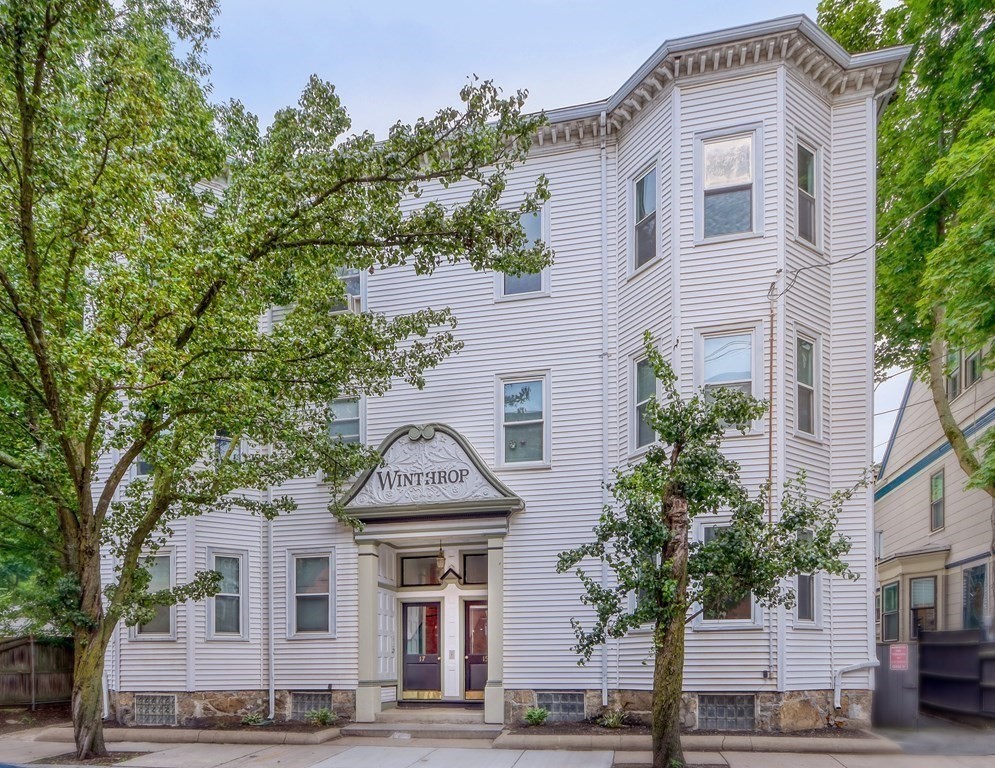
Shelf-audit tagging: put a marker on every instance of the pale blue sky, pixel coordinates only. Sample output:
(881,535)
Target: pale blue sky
(400,60)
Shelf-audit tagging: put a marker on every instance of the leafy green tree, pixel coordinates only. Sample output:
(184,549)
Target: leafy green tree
(143,234)
(664,580)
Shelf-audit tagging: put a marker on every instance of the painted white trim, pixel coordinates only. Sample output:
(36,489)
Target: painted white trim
(756,331)
(802,139)
(243,603)
(291,582)
(160,637)
(544,276)
(700,623)
(649,166)
(636,450)
(815,338)
(756,133)
(500,380)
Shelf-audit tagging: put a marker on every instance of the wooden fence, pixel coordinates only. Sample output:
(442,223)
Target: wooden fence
(35,671)
(957,673)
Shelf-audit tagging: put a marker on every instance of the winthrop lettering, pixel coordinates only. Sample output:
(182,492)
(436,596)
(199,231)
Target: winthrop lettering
(398,479)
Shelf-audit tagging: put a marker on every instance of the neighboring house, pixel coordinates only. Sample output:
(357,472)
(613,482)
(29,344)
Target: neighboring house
(726,163)
(935,535)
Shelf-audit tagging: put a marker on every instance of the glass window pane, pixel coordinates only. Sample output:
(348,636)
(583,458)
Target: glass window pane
(312,575)
(806,369)
(226,619)
(645,240)
(158,568)
(646,196)
(645,381)
(532,224)
(806,411)
(890,598)
(421,631)
(531,282)
(728,359)
(345,423)
(728,162)
(806,217)
(936,487)
(143,467)
(523,442)
(806,597)
(475,569)
(419,571)
(477,627)
(523,401)
(345,408)
(312,613)
(160,625)
(644,432)
(806,170)
(228,567)
(728,212)
(923,593)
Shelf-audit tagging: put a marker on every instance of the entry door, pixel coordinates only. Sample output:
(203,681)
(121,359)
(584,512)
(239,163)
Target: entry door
(422,655)
(475,645)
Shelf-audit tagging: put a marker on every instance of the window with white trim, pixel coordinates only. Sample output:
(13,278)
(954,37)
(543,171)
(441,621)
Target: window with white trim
(345,420)
(808,203)
(728,184)
(727,361)
(311,579)
(160,568)
(644,219)
(806,377)
(937,492)
(143,467)
(889,612)
(644,388)
(524,421)
(352,280)
(741,611)
(805,605)
(954,380)
(922,600)
(529,282)
(223,443)
(227,603)
(972,368)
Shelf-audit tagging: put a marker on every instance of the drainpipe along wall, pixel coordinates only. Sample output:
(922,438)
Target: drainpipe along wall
(604,366)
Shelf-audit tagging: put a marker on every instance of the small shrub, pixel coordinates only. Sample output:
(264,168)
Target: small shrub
(253,718)
(323,716)
(536,715)
(612,718)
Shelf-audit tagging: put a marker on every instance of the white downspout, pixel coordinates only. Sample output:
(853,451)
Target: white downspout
(270,630)
(838,678)
(604,366)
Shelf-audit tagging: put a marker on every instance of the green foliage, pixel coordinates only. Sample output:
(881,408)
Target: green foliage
(750,555)
(323,717)
(253,718)
(612,718)
(536,715)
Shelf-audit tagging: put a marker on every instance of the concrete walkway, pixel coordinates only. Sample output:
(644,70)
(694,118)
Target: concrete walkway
(361,753)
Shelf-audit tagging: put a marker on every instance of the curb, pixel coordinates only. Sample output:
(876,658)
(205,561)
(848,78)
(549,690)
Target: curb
(196,736)
(875,745)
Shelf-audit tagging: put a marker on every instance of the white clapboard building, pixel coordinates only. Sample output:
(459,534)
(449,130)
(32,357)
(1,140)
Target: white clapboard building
(729,161)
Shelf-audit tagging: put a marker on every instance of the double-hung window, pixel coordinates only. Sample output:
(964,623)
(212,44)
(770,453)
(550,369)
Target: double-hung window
(954,380)
(312,588)
(727,361)
(644,218)
(723,610)
(352,281)
(974,597)
(143,466)
(222,446)
(807,194)
(936,496)
(528,282)
(227,619)
(972,368)
(524,420)
(644,388)
(160,568)
(922,598)
(889,612)
(805,606)
(345,422)
(728,185)
(807,403)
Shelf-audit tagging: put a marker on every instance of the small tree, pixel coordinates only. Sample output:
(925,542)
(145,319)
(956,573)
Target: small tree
(643,538)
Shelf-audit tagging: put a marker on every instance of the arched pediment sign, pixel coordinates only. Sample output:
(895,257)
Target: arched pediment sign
(428,471)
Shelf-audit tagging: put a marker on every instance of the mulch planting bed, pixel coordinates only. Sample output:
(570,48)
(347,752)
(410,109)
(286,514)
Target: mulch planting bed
(70,759)
(22,717)
(216,724)
(588,728)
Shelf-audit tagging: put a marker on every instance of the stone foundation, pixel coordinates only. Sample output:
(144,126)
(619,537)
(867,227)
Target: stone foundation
(775,712)
(202,707)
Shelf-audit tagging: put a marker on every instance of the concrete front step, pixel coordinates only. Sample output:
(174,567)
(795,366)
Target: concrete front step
(433,715)
(404,731)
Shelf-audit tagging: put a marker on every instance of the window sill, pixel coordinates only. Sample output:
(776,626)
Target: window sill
(807,626)
(224,639)
(816,250)
(513,297)
(941,529)
(810,438)
(311,636)
(728,626)
(731,238)
(153,638)
(643,268)
(525,465)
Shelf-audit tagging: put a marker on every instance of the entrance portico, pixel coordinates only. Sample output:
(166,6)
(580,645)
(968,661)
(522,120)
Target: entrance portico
(431,573)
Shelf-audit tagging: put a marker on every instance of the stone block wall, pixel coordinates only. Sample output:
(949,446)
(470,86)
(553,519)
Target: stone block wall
(198,708)
(775,712)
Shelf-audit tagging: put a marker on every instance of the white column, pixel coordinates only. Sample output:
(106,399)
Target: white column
(368,693)
(494,691)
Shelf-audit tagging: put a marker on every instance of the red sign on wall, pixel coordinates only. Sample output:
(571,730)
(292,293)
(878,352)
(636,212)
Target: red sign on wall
(898,657)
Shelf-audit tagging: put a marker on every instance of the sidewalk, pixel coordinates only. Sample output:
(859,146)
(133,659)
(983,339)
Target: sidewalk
(381,753)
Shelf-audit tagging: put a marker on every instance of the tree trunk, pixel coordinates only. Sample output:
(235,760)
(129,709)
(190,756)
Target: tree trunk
(668,641)
(87,702)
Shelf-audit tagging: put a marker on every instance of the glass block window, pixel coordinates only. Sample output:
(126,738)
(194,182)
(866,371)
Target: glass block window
(728,185)
(524,421)
(726,713)
(645,388)
(644,236)
(155,709)
(302,702)
(563,706)
(475,569)
(529,282)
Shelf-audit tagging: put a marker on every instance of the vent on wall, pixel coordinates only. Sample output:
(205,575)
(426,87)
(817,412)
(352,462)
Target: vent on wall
(726,713)
(155,709)
(302,702)
(563,706)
